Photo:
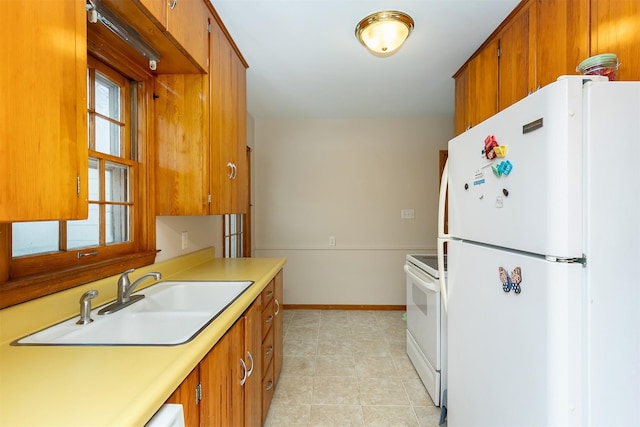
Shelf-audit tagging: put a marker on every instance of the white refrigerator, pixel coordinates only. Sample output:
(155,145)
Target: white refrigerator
(543,291)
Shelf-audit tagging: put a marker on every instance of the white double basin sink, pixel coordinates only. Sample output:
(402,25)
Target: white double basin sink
(171,313)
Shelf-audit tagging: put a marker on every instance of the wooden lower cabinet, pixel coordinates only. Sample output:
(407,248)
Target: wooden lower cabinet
(278,326)
(253,384)
(234,383)
(221,373)
(187,395)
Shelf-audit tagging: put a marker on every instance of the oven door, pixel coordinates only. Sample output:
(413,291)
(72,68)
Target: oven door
(423,313)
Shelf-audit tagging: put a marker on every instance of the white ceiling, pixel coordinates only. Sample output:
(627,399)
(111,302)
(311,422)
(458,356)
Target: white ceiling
(304,60)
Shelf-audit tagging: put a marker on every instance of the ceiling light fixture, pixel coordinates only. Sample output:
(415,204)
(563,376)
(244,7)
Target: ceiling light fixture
(384,32)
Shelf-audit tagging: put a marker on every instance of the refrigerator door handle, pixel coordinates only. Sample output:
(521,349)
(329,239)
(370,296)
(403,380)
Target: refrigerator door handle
(442,237)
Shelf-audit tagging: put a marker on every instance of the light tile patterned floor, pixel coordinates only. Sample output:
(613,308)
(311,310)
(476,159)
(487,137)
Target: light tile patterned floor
(348,368)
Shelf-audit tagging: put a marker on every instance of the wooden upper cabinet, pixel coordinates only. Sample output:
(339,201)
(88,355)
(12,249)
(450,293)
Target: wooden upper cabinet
(461,117)
(516,75)
(482,95)
(188,23)
(178,34)
(157,8)
(181,103)
(562,38)
(43,131)
(615,28)
(228,126)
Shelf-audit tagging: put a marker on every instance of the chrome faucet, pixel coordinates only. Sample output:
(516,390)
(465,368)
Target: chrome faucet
(125,288)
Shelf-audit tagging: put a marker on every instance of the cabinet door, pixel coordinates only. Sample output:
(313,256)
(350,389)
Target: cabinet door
(188,24)
(253,385)
(562,38)
(186,396)
(516,75)
(221,372)
(615,28)
(241,190)
(157,8)
(228,97)
(278,327)
(461,117)
(182,137)
(482,100)
(43,131)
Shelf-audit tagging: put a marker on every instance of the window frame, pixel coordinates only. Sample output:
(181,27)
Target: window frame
(33,277)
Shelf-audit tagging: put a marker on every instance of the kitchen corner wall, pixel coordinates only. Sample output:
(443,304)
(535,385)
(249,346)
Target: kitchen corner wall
(203,232)
(348,178)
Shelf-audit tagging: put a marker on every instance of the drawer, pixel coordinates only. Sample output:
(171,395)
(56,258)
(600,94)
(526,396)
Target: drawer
(267,351)
(267,294)
(267,391)
(267,318)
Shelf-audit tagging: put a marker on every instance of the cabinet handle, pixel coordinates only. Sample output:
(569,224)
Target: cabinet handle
(173,4)
(269,294)
(269,386)
(269,350)
(230,166)
(82,255)
(235,170)
(277,307)
(244,368)
(250,357)
(269,319)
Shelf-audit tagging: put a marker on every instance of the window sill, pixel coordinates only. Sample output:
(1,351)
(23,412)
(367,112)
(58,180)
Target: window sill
(25,289)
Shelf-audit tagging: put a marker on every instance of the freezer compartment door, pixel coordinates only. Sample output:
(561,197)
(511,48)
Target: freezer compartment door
(526,195)
(514,339)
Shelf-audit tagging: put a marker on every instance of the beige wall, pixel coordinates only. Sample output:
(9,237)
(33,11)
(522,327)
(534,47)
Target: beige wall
(349,179)
(203,231)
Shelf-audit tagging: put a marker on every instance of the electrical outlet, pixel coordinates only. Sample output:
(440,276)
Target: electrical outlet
(407,214)
(185,240)
(332,240)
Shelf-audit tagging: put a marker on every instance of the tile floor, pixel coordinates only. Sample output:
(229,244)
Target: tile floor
(348,368)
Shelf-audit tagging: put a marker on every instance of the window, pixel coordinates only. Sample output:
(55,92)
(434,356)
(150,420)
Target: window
(116,236)
(233,235)
(110,172)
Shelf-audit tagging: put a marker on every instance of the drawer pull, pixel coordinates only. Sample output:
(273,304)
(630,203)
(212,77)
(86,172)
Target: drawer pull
(269,351)
(269,319)
(269,386)
(277,307)
(269,294)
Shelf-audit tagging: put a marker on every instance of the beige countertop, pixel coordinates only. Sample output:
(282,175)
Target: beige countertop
(109,385)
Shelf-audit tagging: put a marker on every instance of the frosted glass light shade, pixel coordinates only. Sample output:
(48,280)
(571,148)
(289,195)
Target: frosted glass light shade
(384,32)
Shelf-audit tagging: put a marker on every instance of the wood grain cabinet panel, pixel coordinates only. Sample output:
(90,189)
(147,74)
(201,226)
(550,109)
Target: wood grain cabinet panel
(615,28)
(482,95)
(220,375)
(461,115)
(229,174)
(187,23)
(186,395)
(43,131)
(182,137)
(516,64)
(278,326)
(253,345)
(562,38)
